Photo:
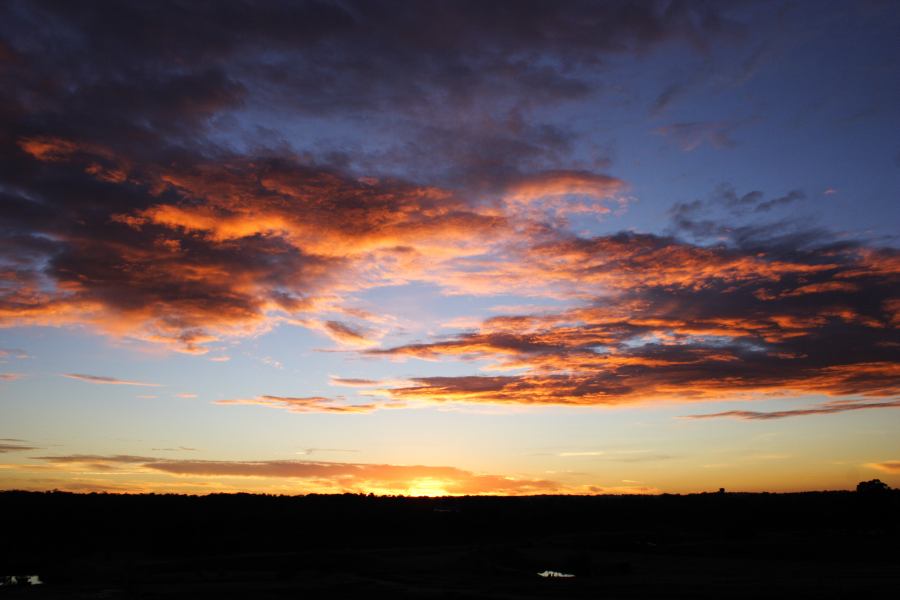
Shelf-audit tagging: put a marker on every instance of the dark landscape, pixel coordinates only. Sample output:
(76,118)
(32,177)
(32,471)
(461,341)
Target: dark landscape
(711,545)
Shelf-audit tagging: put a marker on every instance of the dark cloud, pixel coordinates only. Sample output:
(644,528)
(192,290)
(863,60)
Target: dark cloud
(721,215)
(167,69)
(789,198)
(726,196)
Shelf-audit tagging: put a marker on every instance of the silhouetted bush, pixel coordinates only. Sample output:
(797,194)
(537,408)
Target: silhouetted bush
(874,486)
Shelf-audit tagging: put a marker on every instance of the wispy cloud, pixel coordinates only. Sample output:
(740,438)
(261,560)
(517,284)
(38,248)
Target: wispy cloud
(888,466)
(584,453)
(308,404)
(311,451)
(346,333)
(104,380)
(692,135)
(355,382)
(15,445)
(824,409)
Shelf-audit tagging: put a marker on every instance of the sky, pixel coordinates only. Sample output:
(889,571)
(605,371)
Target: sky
(449,247)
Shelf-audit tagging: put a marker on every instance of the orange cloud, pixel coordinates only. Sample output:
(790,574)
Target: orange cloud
(668,320)
(888,466)
(563,192)
(47,148)
(231,249)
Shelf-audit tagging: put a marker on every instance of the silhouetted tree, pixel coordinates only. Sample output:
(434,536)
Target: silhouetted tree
(875,486)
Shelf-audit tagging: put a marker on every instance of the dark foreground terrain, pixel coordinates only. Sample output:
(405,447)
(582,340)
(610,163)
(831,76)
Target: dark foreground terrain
(810,545)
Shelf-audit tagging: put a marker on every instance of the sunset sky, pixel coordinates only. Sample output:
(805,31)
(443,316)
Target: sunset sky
(449,247)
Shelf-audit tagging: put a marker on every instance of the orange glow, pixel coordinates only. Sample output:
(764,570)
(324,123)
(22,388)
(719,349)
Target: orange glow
(140,473)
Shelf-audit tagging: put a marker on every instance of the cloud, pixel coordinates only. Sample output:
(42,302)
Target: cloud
(789,198)
(223,250)
(354,382)
(15,445)
(551,187)
(692,135)
(371,387)
(10,376)
(763,311)
(161,190)
(309,404)
(157,190)
(326,476)
(666,97)
(103,380)
(13,353)
(888,466)
(311,451)
(828,408)
(346,334)
(703,219)
(93,462)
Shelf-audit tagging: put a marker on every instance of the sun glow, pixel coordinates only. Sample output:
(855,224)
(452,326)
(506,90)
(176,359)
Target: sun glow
(427,486)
